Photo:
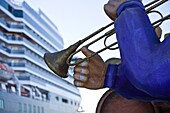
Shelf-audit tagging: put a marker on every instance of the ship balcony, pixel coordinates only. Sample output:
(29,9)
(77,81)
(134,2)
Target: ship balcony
(55,39)
(44,28)
(22,53)
(20,66)
(31,56)
(31,16)
(36,71)
(44,23)
(26,77)
(4,48)
(19,27)
(22,40)
(42,77)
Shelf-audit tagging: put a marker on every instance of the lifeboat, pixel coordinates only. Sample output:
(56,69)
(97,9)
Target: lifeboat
(6,73)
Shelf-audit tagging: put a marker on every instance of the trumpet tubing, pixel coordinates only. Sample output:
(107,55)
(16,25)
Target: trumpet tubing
(59,62)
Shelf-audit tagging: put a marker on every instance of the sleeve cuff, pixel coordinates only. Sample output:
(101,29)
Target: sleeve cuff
(129,4)
(110,76)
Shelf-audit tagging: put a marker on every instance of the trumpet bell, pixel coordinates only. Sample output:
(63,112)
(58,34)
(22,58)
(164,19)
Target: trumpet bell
(57,61)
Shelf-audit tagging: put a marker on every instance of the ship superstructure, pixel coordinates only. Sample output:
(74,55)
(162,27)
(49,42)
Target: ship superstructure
(25,36)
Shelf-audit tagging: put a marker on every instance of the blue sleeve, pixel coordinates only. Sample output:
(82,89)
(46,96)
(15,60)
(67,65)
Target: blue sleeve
(120,84)
(110,76)
(145,69)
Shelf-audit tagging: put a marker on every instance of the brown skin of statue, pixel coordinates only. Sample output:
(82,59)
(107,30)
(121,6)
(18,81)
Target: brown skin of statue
(91,73)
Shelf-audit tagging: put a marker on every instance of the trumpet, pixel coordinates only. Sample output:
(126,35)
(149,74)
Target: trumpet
(59,62)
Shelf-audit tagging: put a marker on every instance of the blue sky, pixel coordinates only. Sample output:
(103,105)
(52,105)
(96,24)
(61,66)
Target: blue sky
(75,20)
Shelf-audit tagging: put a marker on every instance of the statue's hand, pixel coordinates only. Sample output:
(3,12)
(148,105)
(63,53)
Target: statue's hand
(91,73)
(111,7)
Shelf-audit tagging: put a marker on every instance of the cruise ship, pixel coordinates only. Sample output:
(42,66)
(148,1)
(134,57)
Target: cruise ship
(27,85)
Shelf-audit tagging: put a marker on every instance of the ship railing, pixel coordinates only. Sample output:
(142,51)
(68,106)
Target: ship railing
(28,53)
(29,31)
(40,71)
(35,46)
(28,66)
(19,13)
(18,64)
(44,33)
(45,74)
(15,26)
(3,21)
(15,38)
(44,23)
(2,47)
(18,51)
(43,42)
(10,37)
(26,76)
(11,25)
(1,33)
(10,50)
(35,57)
(34,68)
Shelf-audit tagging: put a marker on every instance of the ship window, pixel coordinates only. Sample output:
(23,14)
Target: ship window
(10,8)
(19,107)
(1,104)
(42,110)
(34,109)
(18,13)
(29,108)
(64,100)
(38,109)
(57,98)
(25,108)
